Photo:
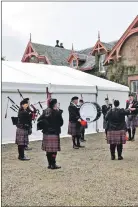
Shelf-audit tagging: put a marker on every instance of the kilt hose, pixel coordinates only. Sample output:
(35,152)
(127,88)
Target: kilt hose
(132,122)
(51,143)
(116,137)
(22,137)
(74,129)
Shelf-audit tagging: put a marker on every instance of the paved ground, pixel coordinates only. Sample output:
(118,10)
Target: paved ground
(88,177)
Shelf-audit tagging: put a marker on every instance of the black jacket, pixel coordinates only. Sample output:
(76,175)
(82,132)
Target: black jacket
(74,113)
(116,119)
(105,109)
(134,105)
(51,121)
(24,119)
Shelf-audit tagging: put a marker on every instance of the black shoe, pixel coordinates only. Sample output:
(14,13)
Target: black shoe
(24,158)
(83,140)
(28,148)
(120,158)
(80,146)
(49,167)
(113,157)
(75,147)
(53,167)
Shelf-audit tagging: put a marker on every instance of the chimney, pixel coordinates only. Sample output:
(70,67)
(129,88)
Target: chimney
(57,43)
(61,45)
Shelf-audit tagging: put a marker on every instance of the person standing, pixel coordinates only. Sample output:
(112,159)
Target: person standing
(52,122)
(23,127)
(132,119)
(116,131)
(105,108)
(31,114)
(81,102)
(74,128)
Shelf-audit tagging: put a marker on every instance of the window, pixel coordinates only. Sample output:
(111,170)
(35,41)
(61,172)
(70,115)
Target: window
(101,60)
(33,59)
(134,86)
(74,63)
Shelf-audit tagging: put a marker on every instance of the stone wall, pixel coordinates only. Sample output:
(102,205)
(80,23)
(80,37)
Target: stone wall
(129,51)
(128,64)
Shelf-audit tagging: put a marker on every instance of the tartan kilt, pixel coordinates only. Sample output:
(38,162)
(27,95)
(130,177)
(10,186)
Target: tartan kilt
(116,137)
(21,137)
(74,129)
(51,143)
(132,123)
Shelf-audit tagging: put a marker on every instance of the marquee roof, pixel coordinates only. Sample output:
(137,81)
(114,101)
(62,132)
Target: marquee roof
(34,73)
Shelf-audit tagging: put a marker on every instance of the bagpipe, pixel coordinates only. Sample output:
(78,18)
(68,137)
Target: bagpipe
(34,112)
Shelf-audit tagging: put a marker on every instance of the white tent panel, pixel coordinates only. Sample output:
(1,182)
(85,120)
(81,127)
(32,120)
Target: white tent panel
(63,82)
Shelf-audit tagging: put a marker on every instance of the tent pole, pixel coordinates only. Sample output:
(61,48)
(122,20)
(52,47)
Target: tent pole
(97,130)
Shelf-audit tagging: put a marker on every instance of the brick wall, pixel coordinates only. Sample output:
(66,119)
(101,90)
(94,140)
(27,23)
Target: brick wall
(132,78)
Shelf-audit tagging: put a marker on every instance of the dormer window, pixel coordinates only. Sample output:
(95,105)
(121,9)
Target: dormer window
(74,63)
(33,59)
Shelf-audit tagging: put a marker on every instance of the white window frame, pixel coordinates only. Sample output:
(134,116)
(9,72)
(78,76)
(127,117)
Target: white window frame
(132,86)
(101,67)
(74,66)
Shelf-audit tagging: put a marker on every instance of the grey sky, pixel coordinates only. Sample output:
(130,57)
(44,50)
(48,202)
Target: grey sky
(70,22)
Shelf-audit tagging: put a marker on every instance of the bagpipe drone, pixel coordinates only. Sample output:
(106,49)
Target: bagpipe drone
(34,112)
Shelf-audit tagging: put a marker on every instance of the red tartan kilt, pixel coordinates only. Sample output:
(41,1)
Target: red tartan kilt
(132,123)
(21,137)
(51,143)
(116,137)
(74,129)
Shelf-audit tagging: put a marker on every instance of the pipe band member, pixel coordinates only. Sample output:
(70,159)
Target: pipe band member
(30,130)
(132,119)
(116,131)
(81,102)
(23,126)
(52,122)
(105,109)
(74,128)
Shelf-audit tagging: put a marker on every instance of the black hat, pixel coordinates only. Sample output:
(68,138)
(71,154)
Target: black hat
(52,102)
(130,94)
(26,99)
(74,98)
(23,102)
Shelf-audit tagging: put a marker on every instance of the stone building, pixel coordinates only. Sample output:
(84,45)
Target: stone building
(116,61)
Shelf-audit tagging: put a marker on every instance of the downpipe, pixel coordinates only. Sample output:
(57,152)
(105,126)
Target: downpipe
(97,130)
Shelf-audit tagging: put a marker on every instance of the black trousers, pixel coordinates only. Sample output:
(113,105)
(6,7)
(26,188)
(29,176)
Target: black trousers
(82,133)
(119,149)
(76,138)
(21,151)
(131,133)
(51,158)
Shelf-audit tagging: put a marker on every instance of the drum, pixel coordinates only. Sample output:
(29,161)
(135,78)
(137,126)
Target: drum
(90,111)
